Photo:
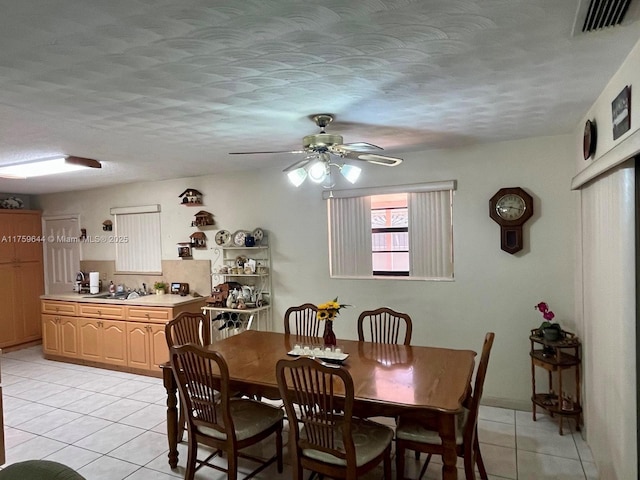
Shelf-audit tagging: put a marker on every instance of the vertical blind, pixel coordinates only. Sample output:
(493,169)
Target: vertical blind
(608,308)
(430,231)
(142,250)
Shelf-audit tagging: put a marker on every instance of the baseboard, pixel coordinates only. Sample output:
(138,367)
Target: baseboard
(523,405)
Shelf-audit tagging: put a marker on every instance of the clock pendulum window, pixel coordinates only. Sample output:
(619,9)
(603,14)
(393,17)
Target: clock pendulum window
(511,208)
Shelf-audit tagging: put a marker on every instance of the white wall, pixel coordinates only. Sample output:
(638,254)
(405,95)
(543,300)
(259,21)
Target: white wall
(492,291)
(607,315)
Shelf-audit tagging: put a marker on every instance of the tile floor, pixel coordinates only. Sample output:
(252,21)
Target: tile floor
(110,425)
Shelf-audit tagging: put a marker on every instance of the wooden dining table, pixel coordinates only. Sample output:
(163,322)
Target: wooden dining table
(389,380)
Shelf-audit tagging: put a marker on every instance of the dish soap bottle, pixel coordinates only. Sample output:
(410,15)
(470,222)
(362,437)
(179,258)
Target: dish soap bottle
(112,288)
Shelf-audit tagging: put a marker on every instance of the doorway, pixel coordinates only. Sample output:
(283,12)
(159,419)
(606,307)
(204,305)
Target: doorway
(61,253)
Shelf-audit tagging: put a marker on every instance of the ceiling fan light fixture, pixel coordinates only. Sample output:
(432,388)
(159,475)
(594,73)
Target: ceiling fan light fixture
(318,171)
(350,172)
(297,176)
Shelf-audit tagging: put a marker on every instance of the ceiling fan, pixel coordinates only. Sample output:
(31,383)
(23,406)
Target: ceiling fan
(320,148)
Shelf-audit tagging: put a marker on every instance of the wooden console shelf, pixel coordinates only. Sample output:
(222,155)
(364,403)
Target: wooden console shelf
(555,357)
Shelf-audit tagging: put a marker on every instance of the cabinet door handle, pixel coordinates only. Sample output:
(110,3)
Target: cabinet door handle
(147,315)
(100,324)
(100,312)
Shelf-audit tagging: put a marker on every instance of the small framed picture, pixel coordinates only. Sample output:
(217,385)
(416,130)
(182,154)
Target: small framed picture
(621,112)
(184,250)
(175,288)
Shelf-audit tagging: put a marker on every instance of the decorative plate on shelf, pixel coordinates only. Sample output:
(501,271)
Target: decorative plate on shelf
(238,237)
(258,234)
(223,238)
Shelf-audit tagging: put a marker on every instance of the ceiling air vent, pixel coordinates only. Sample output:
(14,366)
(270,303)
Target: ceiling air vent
(603,13)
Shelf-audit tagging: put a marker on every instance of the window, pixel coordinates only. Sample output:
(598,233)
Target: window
(390,234)
(137,239)
(403,231)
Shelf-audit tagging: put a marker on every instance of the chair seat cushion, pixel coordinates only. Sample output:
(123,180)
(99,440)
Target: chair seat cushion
(39,470)
(415,431)
(370,440)
(250,417)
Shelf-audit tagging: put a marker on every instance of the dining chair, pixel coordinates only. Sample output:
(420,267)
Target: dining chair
(384,325)
(217,419)
(188,327)
(302,320)
(329,443)
(185,328)
(421,435)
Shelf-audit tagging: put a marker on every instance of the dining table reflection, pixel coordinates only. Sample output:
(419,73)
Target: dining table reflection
(389,379)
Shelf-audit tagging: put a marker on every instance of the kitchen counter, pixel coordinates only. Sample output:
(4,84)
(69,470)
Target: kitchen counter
(168,300)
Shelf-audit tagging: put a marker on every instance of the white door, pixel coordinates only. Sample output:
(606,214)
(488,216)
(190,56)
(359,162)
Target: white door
(61,253)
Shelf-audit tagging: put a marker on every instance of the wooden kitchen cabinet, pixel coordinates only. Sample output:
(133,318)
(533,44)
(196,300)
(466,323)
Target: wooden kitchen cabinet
(20,316)
(146,345)
(20,236)
(127,337)
(102,341)
(60,335)
(21,276)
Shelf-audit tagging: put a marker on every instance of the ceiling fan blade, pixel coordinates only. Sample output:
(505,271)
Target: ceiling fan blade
(276,151)
(360,146)
(374,158)
(299,164)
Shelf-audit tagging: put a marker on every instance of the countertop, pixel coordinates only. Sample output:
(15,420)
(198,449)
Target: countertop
(167,300)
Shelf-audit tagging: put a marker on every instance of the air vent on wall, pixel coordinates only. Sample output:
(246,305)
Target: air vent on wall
(595,15)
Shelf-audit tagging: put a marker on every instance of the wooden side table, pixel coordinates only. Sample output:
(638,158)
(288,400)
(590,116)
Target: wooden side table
(555,357)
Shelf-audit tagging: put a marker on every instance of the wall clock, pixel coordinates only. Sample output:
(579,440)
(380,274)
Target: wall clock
(511,208)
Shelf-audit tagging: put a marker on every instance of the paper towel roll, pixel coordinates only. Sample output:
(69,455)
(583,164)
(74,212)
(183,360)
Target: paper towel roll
(94,282)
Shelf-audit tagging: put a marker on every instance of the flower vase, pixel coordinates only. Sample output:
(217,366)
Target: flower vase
(328,336)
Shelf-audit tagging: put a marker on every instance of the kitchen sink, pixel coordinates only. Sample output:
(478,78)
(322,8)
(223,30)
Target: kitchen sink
(110,296)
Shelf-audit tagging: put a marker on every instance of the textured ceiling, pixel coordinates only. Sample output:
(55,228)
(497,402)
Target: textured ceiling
(159,89)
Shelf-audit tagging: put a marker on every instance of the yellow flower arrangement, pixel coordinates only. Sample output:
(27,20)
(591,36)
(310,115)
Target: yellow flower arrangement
(330,310)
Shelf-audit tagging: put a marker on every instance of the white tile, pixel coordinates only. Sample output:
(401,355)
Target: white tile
(496,414)
(107,468)
(49,421)
(583,448)
(18,389)
(26,413)
(11,379)
(148,474)
(499,461)
(34,449)
(539,440)
(109,438)
(102,383)
(91,403)
(126,388)
(151,394)
(15,436)
(119,409)
(74,378)
(73,457)
(544,422)
(147,417)
(78,429)
(65,397)
(142,449)
(10,403)
(536,466)
(497,433)
(591,470)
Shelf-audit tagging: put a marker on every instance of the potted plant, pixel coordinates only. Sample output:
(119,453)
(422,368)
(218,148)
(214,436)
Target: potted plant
(548,330)
(160,287)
